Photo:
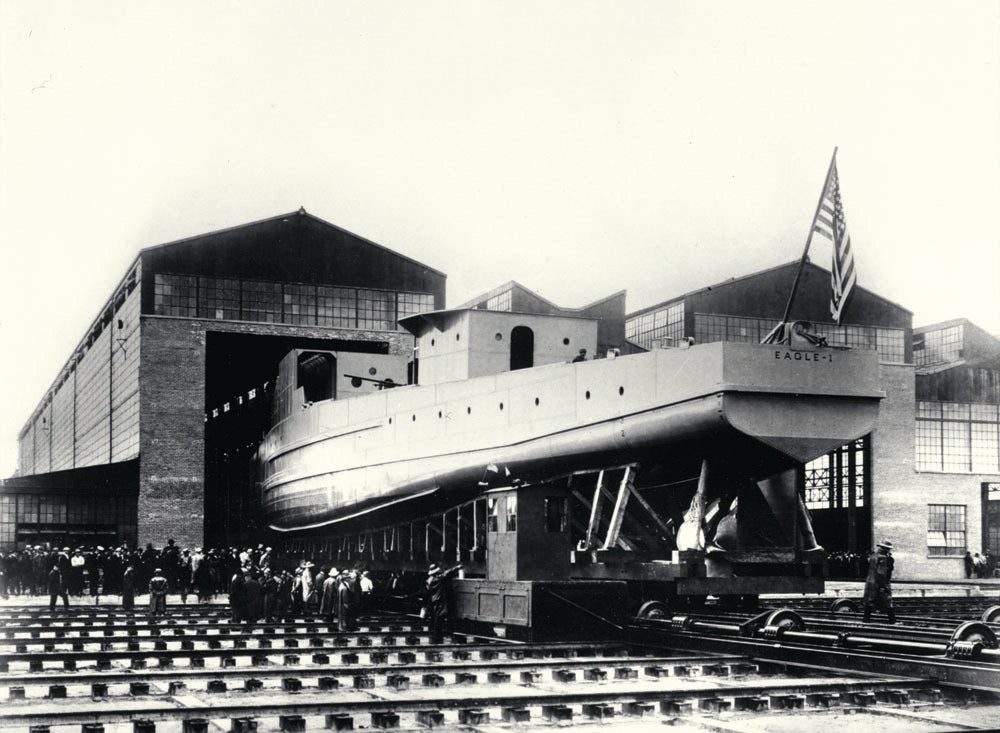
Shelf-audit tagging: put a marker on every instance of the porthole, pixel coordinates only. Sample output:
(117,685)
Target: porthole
(413,417)
(390,421)
(565,342)
(498,336)
(468,410)
(439,414)
(588,394)
(458,336)
(372,370)
(501,406)
(621,391)
(355,382)
(536,402)
(432,342)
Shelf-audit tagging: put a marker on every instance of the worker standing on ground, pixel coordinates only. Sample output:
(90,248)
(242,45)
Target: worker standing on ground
(57,588)
(158,588)
(878,593)
(436,600)
(238,598)
(128,588)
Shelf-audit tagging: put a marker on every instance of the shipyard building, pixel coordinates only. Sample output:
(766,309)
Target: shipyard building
(149,429)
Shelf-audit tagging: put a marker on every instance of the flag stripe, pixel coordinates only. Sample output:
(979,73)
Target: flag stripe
(831,223)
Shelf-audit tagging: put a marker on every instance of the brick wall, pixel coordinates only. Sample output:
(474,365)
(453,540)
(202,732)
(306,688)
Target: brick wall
(172,413)
(901,495)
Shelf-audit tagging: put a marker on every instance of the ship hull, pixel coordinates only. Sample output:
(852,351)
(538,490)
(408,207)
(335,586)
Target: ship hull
(379,458)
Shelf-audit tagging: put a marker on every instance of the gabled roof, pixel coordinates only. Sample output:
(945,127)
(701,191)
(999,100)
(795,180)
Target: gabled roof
(741,278)
(285,217)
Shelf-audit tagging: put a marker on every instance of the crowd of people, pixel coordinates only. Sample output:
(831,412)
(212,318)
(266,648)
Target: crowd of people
(260,585)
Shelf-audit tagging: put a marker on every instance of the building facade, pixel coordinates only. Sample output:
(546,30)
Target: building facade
(161,405)
(928,476)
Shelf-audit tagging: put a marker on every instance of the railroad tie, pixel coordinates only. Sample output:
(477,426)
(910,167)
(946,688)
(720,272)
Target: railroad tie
(466,678)
(321,658)
(676,707)
(385,719)
(638,708)
(512,714)
(175,687)
(557,713)
(291,684)
(349,658)
(787,702)
(363,682)
(657,671)
(291,660)
(194,725)
(473,716)
(563,675)
(863,699)
(291,723)
(595,674)
(378,657)
(328,683)
(339,722)
(432,680)
(431,718)
(498,677)
(895,697)
(822,699)
(626,673)
(531,676)
(751,702)
(598,710)
(407,657)
(98,689)
(15,693)
(714,704)
(243,725)
(143,726)
(252,685)
(57,691)
(399,682)
(138,688)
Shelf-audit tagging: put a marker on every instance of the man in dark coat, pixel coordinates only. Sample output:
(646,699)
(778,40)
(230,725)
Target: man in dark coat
(878,593)
(436,600)
(158,588)
(237,597)
(345,602)
(57,588)
(269,590)
(128,588)
(254,601)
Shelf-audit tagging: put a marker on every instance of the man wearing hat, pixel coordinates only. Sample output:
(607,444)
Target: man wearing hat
(436,599)
(158,587)
(878,594)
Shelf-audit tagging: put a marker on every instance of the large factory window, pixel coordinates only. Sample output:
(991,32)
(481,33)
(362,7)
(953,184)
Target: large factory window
(522,348)
(300,304)
(175,295)
(262,301)
(939,346)
(376,310)
(218,298)
(956,437)
(946,529)
(337,307)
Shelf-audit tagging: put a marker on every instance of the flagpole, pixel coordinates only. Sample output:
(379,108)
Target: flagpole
(812,228)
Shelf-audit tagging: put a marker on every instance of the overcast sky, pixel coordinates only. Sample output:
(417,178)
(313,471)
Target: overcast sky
(577,147)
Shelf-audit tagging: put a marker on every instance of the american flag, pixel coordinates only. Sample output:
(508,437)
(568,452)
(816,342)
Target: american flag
(830,222)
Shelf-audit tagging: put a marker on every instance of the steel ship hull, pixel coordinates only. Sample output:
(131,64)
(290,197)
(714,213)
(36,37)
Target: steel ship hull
(372,459)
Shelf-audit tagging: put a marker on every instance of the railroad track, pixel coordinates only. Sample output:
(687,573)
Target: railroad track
(102,670)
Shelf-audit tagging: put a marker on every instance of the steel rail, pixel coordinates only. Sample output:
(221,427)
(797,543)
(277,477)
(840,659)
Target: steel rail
(450,699)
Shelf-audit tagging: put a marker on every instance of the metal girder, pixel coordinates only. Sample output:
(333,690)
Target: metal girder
(618,514)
